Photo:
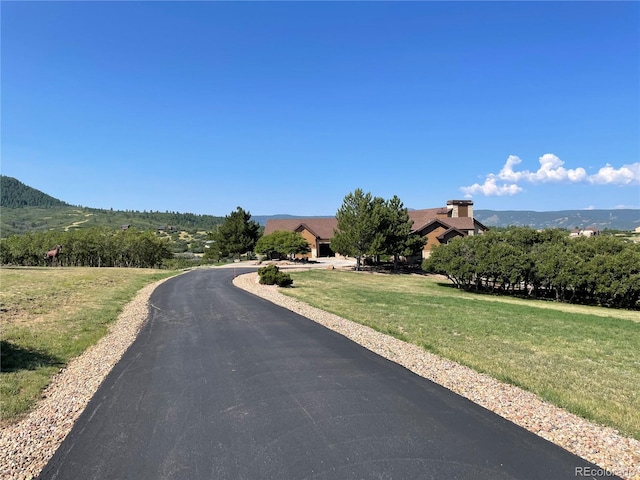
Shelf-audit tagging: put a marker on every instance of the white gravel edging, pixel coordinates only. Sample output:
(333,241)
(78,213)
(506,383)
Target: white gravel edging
(600,445)
(27,446)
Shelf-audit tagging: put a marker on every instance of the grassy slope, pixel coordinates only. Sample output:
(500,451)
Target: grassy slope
(50,315)
(584,359)
(30,219)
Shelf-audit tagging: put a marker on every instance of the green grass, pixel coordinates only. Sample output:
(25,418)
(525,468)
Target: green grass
(584,359)
(49,316)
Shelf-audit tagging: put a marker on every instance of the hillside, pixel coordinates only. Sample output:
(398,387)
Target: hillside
(15,194)
(25,209)
(567,219)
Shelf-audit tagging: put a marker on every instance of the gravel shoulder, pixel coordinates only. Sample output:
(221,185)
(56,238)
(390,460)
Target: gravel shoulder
(27,446)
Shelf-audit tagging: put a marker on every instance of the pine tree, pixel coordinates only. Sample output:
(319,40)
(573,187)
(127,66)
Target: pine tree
(238,234)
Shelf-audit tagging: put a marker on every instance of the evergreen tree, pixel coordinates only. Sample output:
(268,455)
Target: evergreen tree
(396,238)
(238,234)
(359,225)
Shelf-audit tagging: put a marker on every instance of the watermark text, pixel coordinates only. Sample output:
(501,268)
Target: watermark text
(591,472)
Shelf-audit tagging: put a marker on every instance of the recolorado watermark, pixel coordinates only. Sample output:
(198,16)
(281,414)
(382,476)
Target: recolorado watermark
(603,472)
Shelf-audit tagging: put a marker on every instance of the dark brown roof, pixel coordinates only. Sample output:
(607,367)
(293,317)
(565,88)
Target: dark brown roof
(462,224)
(459,223)
(452,232)
(424,216)
(321,227)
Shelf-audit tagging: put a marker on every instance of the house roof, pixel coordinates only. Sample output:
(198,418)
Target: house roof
(452,232)
(321,227)
(424,216)
(464,224)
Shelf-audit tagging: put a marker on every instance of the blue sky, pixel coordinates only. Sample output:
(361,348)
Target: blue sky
(286,107)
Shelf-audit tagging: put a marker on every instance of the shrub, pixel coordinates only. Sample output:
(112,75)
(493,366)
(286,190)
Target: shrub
(271,275)
(284,280)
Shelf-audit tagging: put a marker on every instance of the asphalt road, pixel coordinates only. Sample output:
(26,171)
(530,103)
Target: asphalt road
(221,384)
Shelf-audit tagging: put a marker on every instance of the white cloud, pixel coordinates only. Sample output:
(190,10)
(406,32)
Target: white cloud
(507,172)
(491,188)
(625,175)
(551,170)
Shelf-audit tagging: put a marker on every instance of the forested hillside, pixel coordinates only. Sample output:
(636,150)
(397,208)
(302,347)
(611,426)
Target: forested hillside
(15,194)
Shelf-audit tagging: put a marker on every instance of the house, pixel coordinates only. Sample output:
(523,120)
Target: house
(438,225)
(585,232)
(317,231)
(590,232)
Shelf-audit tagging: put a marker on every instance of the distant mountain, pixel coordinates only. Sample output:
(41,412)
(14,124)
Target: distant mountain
(15,194)
(262,219)
(623,219)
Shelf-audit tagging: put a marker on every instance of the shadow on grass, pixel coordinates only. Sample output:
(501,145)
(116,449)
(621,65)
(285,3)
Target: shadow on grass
(448,285)
(14,358)
(387,268)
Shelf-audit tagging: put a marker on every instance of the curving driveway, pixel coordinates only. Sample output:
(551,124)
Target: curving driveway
(221,384)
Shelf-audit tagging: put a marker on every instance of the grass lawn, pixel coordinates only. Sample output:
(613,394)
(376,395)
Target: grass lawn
(584,359)
(50,315)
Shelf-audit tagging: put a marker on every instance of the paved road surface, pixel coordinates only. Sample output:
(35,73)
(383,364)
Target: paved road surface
(221,384)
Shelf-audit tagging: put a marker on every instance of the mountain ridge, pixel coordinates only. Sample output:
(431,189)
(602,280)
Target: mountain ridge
(618,219)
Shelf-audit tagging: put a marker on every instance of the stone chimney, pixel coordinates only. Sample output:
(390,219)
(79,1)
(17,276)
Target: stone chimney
(460,208)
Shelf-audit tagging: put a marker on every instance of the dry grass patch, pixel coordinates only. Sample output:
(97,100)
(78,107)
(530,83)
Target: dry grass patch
(50,315)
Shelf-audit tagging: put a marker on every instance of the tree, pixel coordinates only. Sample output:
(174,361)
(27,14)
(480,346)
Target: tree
(90,247)
(396,238)
(283,242)
(237,234)
(598,270)
(213,250)
(456,260)
(359,219)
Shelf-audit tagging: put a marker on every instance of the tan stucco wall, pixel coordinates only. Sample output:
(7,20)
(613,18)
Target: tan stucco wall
(311,238)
